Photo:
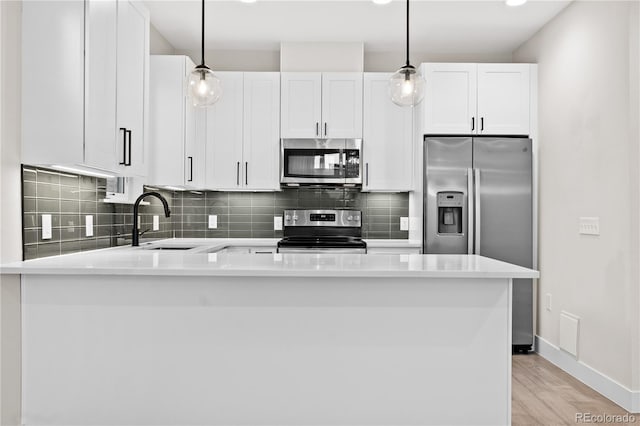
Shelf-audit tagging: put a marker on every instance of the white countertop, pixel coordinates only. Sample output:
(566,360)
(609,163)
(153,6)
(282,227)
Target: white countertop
(199,261)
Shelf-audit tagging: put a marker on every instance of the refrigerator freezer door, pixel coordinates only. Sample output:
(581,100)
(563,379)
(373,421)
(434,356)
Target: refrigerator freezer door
(504,208)
(448,162)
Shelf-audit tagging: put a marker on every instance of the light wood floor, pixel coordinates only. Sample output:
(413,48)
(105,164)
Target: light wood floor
(545,395)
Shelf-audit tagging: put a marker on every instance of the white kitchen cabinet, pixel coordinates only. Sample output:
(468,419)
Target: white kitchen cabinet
(321,105)
(261,131)
(450,98)
(177,139)
(95,56)
(489,99)
(243,133)
(504,99)
(388,138)
(301,111)
(224,135)
(133,53)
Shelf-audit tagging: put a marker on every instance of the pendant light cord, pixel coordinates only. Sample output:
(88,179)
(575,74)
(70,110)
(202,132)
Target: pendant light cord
(407,33)
(202,45)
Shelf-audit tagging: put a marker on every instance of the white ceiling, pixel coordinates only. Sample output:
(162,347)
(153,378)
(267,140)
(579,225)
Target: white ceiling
(448,26)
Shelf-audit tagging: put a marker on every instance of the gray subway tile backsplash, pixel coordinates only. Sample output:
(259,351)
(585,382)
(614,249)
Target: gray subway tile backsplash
(69,198)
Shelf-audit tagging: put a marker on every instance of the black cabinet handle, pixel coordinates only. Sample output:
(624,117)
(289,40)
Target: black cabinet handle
(481,123)
(317,129)
(325,128)
(473,123)
(246,173)
(238,173)
(124,146)
(129,132)
(190,169)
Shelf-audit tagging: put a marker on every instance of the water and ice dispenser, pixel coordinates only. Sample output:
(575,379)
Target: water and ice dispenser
(450,212)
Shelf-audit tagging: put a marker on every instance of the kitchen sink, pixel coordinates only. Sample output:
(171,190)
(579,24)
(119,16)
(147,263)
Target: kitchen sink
(243,250)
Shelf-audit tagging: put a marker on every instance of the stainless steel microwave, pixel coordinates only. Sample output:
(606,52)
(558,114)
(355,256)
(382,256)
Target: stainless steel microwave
(320,161)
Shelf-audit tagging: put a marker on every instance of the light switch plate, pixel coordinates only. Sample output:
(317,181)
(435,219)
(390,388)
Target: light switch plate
(404,223)
(88,225)
(589,226)
(213,221)
(277,223)
(46,226)
(156,222)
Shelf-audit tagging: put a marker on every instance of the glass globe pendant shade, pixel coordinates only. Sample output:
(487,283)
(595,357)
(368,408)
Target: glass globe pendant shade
(406,87)
(203,87)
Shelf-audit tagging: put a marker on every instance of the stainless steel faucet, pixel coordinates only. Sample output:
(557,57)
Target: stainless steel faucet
(135,237)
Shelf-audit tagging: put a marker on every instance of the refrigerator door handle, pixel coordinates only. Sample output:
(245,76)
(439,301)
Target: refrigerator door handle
(470,206)
(477,211)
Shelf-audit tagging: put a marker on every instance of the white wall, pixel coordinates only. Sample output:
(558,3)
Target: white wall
(589,162)
(158,45)
(269,60)
(10,210)
(237,60)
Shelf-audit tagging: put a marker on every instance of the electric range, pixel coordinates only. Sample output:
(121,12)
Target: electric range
(322,231)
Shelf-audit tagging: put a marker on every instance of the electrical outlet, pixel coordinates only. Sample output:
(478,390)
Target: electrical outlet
(589,226)
(88,225)
(277,223)
(46,226)
(213,221)
(156,222)
(548,301)
(404,223)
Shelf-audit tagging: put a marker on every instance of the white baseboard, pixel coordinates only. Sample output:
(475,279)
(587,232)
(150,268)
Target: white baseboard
(620,394)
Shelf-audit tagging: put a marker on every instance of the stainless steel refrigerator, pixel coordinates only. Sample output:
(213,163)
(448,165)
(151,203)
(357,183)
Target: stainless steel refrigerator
(478,200)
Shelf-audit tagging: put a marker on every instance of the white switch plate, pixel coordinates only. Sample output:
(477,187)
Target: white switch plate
(88,225)
(589,226)
(548,301)
(404,223)
(213,221)
(156,222)
(277,223)
(46,226)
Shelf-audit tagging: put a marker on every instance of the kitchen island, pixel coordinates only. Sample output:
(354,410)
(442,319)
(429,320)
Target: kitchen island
(195,336)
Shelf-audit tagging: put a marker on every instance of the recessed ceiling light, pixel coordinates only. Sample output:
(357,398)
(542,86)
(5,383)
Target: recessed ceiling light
(516,2)
(248,1)
(382,1)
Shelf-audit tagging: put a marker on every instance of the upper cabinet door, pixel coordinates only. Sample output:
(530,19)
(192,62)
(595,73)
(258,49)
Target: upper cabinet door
(301,104)
(52,82)
(261,133)
(450,99)
(503,99)
(133,48)
(224,135)
(341,105)
(388,142)
(100,84)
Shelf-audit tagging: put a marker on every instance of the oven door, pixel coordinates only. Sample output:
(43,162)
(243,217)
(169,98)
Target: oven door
(320,161)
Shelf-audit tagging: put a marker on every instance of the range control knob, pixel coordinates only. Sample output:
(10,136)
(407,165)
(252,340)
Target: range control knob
(349,218)
(287,217)
(295,217)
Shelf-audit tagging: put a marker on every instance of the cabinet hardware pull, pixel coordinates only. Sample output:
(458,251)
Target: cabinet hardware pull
(473,123)
(238,173)
(124,146)
(190,169)
(367,173)
(325,128)
(246,173)
(317,129)
(130,133)
(481,123)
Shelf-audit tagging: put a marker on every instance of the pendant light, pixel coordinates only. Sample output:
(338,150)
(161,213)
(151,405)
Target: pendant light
(406,86)
(203,87)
